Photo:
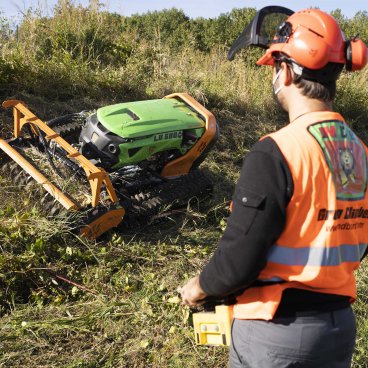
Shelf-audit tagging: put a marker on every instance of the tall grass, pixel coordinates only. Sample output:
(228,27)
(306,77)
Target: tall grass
(68,302)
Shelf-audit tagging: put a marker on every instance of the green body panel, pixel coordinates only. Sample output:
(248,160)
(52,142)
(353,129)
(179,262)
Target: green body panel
(144,118)
(150,127)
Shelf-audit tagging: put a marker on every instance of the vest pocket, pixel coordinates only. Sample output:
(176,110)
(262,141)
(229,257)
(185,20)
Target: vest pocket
(246,205)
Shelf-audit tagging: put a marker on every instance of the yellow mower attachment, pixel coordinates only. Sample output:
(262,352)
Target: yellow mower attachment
(98,178)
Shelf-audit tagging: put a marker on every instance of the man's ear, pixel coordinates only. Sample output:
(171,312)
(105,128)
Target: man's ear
(287,77)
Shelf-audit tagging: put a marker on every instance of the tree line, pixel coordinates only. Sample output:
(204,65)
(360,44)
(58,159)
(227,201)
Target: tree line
(89,33)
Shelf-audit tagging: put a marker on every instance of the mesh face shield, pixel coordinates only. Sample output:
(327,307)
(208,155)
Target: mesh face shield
(260,31)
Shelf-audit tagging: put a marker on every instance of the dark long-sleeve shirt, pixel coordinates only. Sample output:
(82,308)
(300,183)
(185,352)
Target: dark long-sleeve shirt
(263,192)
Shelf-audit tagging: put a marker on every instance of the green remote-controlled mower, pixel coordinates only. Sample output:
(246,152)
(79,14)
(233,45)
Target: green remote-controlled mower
(122,162)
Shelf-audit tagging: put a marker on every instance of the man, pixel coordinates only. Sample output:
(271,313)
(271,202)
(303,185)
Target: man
(299,223)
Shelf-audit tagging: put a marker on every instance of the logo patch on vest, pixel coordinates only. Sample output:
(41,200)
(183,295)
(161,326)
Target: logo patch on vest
(345,157)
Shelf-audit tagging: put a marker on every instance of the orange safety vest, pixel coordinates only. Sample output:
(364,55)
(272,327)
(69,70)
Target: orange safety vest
(326,231)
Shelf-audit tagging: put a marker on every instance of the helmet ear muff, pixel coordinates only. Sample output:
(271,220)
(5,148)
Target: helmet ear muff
(356,54)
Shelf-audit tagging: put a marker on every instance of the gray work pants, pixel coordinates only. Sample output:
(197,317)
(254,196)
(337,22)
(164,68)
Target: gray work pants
(324,340)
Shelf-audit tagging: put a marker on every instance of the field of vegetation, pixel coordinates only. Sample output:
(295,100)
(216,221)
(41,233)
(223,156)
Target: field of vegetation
(69,302)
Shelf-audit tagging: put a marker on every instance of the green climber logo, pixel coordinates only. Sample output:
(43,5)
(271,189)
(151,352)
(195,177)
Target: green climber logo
(345,157)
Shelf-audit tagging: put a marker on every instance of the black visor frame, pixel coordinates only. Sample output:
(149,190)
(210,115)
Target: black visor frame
(251,35)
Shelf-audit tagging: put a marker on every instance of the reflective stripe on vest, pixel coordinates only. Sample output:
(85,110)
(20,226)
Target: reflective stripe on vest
(318,256)
(326,230)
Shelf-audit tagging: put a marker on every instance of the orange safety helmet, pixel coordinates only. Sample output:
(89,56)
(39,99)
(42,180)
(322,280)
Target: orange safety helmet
(312,39)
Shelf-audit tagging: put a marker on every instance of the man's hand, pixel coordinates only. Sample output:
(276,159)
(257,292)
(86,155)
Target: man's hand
(191,293)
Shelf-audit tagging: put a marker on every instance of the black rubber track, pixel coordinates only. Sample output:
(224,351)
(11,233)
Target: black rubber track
(166,197)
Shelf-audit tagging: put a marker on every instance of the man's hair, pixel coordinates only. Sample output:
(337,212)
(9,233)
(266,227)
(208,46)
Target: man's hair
(321,91)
